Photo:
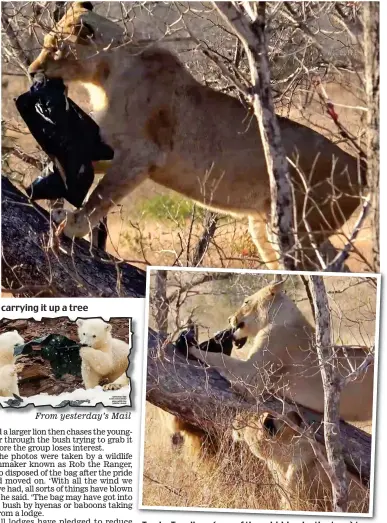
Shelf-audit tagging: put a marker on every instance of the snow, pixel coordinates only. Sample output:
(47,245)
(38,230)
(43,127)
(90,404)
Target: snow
(87,398)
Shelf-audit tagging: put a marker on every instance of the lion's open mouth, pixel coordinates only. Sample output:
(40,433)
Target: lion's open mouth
(240,343)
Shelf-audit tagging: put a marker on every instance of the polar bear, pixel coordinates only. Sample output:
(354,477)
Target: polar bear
(8,368)
(103,357)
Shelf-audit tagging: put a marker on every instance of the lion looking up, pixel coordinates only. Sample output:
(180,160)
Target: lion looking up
(293,463)
(203,144)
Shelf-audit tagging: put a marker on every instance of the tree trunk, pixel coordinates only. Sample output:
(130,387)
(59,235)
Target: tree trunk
(331,379)
(203,398)
(210,222)
(372,78)
(251,32)
(161,302)
(36,263)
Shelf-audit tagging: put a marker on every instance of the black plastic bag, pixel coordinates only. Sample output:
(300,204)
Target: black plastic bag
(60,351)
(221,342)
(68,136)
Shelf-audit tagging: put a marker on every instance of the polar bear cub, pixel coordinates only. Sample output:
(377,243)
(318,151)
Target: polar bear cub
(103,357)
(8,368)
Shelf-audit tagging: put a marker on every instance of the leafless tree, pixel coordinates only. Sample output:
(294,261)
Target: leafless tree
(329,368)
(249,23)
(313,53)
(372,79)
(334,317)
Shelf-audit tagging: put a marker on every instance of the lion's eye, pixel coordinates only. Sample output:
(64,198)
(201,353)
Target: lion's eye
(94,335)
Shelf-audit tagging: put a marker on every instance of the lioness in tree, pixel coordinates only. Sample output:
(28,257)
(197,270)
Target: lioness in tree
(203,144)
(284,359)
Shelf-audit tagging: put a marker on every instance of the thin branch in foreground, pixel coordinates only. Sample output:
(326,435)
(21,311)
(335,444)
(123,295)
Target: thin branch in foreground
(252,34)
(337,264)
(332,388)
(18,52)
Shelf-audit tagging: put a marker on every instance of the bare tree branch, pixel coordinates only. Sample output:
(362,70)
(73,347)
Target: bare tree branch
(253,36)
(332,384)
(161,302)
(18,52)
(372,77)
(210,404)
(210,221)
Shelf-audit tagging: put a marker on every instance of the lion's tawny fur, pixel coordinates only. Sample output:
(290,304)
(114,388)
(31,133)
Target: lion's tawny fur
(201,143)
(284,359)
(293,463)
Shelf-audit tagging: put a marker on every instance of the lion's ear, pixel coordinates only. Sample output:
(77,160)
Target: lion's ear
(270,424)
(276,287)
(79,323)
(83,5)
(83,31)
(274,426)
(296,419)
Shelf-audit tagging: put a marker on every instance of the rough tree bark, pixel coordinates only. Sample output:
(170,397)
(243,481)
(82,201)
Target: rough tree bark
(372,79)
(332,384)
(161,302)
(35,264)
(203,398)
(248,23)
(210,222)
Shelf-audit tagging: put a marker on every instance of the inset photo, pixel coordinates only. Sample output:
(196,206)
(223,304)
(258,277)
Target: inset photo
(59,362)
(260,391)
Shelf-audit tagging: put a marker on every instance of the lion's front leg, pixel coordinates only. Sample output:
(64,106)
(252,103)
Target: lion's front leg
(233,370)
(121,178)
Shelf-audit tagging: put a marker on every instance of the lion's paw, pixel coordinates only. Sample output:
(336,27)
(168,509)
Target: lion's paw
(72,224)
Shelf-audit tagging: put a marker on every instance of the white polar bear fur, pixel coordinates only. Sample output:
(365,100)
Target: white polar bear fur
(8,368)
(103,357)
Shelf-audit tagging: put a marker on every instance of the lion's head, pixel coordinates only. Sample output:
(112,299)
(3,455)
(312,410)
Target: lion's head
(75,47)
(265,430)
(253,315)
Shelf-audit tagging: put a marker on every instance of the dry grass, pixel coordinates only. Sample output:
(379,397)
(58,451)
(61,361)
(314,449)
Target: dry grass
(169,477)
(232,479)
